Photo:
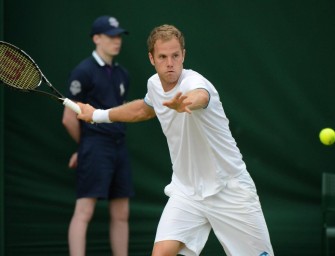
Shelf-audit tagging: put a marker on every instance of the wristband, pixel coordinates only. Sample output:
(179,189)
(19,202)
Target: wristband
(101,116)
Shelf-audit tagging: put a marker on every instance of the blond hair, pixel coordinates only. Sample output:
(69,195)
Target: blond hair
(165,33)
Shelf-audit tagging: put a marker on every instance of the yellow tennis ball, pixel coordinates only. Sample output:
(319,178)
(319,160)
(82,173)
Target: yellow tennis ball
(327,136)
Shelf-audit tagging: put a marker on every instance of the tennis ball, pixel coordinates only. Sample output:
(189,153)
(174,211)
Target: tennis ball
(327,136)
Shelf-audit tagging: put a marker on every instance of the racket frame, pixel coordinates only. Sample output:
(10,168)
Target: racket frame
(56,94)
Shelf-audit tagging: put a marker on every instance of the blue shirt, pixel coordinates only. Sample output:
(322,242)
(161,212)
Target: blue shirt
(103,87)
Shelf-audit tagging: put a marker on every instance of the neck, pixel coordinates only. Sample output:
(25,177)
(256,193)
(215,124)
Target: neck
(108,59)
(168,87)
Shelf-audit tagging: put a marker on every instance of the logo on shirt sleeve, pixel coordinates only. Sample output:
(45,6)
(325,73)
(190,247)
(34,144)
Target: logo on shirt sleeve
(75,87)
(122,90)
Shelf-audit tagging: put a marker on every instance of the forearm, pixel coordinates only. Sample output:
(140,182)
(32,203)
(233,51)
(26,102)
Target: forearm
(71,124)
(199,99)
(134,111)
(193,100)
(74,132)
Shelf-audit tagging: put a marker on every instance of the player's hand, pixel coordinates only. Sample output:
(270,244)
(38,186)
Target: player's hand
(73,161)
(86,112)
(179,103)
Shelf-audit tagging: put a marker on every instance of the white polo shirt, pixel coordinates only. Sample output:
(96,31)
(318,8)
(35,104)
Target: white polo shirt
(202,150)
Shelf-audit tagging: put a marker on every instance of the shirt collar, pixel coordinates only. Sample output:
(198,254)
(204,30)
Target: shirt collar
(98,59)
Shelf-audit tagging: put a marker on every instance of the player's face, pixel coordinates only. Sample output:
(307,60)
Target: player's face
(108,45)
(168,59)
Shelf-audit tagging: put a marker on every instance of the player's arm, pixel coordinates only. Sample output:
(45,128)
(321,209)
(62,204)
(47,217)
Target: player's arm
(134,111)
(192,100)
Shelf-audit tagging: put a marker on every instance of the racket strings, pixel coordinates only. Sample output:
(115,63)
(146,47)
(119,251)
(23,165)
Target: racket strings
(17,70)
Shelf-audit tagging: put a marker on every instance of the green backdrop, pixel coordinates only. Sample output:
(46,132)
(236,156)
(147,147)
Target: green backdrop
(273,64)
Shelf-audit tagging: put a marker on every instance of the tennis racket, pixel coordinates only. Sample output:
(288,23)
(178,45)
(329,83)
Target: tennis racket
(18,70)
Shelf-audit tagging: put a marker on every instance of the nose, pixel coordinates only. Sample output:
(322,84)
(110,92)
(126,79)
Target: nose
(170,61)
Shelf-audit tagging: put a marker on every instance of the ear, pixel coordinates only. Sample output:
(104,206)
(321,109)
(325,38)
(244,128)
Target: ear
(184,52)
(151,58)
(96,38)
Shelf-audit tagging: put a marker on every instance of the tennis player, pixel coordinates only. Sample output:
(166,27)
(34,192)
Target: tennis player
(210,186)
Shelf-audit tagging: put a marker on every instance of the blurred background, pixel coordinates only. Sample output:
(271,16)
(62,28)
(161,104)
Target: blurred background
(271,61)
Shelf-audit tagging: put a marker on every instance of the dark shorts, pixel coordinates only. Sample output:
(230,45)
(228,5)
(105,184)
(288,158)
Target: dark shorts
(104,170)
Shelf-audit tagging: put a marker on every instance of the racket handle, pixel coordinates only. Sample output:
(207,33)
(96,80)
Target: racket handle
(72,105)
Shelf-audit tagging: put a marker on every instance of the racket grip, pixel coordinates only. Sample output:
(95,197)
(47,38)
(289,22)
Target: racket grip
(72,105)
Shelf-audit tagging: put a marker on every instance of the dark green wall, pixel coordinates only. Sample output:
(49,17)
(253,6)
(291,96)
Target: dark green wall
(2,198)
(273,65)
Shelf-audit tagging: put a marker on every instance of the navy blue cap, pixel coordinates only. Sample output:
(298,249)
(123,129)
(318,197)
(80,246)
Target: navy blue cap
(107,25)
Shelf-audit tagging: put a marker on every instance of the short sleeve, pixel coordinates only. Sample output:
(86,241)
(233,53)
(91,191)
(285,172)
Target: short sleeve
(147,100)
(77,85)
(192,83)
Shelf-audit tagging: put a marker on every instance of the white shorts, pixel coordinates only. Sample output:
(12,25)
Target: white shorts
(234,214)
